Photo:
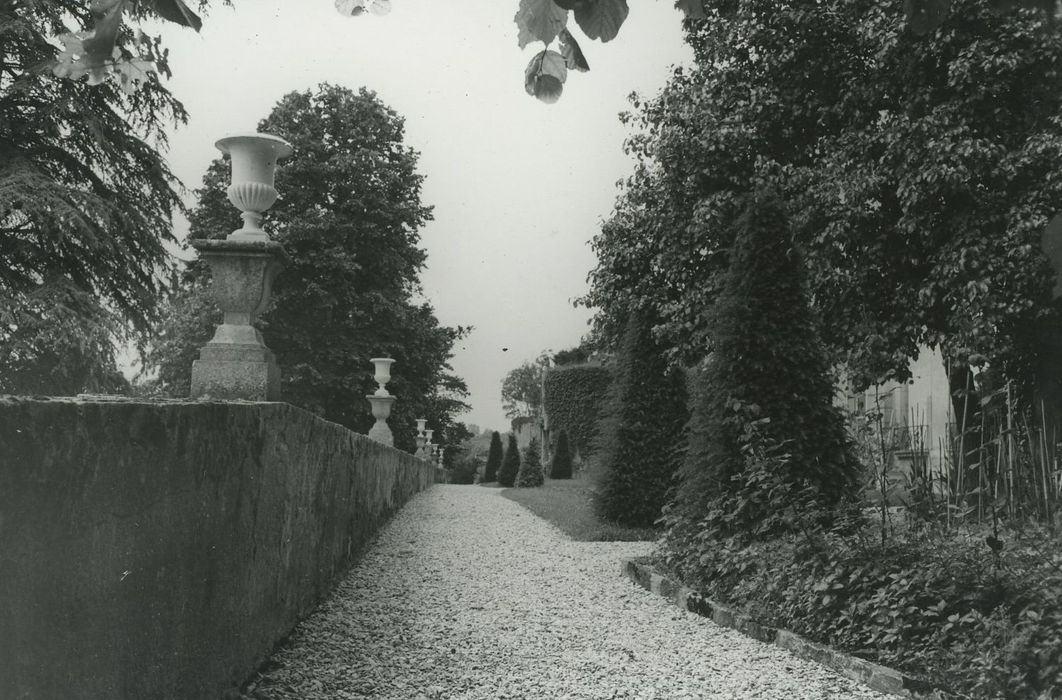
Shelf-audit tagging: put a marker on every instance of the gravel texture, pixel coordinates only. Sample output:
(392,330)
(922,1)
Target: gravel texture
(466,594)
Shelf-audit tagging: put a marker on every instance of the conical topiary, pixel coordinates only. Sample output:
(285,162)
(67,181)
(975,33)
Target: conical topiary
(494,458)
(510,463)
(642,424)
(767,361)
(530,473)
(561,466)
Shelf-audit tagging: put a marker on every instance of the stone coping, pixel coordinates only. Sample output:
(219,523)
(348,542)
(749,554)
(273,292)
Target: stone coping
(225,245)
(122,398)
(875,676)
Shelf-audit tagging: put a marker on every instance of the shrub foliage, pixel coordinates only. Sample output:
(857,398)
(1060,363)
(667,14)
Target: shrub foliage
(530,472)
(561,466)
(767,365)
(642,424)
(510,465)
(464,470)
(494,458)
(573,400)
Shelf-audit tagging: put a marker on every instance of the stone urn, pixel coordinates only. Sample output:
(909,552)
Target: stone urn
(382,374)
(236,364)
(252,190)
(381,401)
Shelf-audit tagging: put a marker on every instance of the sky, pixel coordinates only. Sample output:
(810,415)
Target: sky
(518,187)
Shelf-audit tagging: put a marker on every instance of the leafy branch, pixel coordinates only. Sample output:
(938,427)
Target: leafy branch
(95,53)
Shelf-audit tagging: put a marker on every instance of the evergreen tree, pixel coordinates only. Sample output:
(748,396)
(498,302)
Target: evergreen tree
(767,366)
(510,463)
(494,458)
(86,196)
(530,473)
(561,466)
(641,426)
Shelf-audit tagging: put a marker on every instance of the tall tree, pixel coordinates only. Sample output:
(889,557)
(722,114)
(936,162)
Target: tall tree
(522,390)
(918,176)
(85,197)
(510,465)
(494,458)
(349,217)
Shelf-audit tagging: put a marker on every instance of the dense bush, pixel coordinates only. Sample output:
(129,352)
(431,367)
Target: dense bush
(561,465)
(767,365)
(510,465)
(465,469)
(494,458)
(530,472)
(572,399)
(642,424)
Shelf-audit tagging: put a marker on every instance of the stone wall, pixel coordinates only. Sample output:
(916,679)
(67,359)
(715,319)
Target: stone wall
(160,550)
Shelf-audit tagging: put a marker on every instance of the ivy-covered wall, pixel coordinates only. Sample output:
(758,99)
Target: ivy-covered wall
(573,398)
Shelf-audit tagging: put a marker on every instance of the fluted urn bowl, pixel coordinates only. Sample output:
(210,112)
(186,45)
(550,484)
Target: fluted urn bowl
(254,166)
(383,373)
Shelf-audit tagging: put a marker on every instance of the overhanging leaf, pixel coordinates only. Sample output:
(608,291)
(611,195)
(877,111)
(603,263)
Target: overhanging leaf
(601,19)
(131,74)
(573,55)
(99,43)
(175,11)
(545,76)
(380,7)
(539,20)
(350,8)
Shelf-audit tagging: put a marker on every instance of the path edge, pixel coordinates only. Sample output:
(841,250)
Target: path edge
(875,676)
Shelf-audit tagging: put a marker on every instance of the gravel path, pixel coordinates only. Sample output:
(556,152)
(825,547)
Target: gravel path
(466,594)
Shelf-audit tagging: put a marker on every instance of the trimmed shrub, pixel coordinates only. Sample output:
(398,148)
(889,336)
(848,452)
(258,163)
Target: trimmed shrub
(572,399)
(561,466)
(641,427)
(530,473)
(767,367)
(464,470)
(510,463)
(494,458)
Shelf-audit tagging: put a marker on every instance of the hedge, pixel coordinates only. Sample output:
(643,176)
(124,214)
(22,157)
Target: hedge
(573,399)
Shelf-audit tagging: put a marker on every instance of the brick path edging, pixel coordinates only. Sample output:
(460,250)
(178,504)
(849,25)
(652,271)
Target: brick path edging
(875,676)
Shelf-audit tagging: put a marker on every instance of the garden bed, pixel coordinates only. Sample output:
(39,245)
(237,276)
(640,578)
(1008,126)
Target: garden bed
(973,612)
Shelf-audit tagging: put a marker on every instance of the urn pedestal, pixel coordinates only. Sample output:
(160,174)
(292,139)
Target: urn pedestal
(236,364)
(381,410)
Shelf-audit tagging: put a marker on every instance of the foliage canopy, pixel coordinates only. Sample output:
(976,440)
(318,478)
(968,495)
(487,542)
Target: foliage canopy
(918,175)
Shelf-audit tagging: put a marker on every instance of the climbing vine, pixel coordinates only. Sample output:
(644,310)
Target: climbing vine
(573,400)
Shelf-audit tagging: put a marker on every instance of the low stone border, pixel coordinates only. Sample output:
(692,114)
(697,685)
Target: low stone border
(875,676)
